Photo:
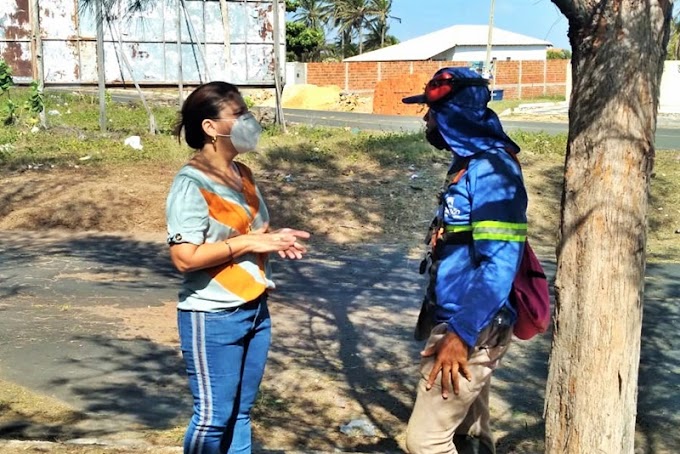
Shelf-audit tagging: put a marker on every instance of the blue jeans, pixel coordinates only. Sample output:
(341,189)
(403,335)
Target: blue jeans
(225,355)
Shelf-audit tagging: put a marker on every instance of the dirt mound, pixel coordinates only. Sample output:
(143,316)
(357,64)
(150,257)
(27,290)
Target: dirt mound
(315,97)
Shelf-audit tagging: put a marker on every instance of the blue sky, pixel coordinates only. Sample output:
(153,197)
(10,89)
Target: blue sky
(537,18)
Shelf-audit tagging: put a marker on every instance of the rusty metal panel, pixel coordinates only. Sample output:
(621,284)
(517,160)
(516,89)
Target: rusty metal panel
(58,19)
(60,59)
(15,37)
(149,42)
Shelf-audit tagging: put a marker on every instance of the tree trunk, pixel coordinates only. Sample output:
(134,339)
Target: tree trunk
(101,71)
(618,53)
(224,10)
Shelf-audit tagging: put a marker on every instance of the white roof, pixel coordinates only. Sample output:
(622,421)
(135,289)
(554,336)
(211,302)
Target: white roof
(427,46)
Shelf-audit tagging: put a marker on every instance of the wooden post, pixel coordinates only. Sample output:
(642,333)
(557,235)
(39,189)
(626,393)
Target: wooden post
(277,67)
(37,52)
(180,75)
(101,71)
(227,39)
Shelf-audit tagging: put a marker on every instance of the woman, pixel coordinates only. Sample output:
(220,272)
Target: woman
(219,239)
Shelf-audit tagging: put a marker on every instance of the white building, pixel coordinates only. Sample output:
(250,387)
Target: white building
(461,43)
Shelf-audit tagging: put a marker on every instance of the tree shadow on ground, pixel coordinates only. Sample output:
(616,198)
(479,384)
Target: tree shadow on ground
(345,316)
(116,385)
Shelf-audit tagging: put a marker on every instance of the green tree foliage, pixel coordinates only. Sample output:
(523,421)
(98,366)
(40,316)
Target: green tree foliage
(312,13)
(674,43)
(7,82)
(303,43)
(353,15)
(379,26)
(354,25)
(36,102)
(558,54)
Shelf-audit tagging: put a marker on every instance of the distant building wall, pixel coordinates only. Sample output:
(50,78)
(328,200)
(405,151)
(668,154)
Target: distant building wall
(478,53)
(518,79)
(669,101)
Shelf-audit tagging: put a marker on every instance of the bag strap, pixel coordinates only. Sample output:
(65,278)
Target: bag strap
(456,172)
(454,177)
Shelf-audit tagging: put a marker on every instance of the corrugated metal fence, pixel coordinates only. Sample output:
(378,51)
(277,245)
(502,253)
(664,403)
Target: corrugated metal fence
(149,40)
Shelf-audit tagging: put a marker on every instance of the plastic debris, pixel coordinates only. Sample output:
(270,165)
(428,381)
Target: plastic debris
(358,428)
(134,142)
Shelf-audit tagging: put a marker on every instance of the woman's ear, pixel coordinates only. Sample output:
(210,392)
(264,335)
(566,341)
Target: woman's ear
(208,127)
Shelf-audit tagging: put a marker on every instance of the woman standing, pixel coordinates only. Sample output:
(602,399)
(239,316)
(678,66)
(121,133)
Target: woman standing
(219,239)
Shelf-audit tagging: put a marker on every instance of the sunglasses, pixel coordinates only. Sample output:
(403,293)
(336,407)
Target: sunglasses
(445,85)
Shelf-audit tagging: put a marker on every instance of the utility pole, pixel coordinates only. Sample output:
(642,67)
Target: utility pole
(487,63)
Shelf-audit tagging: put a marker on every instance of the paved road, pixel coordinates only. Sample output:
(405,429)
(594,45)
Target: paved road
(667,138)
(344,320)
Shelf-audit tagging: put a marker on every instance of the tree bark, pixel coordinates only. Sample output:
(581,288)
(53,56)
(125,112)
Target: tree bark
(618,53)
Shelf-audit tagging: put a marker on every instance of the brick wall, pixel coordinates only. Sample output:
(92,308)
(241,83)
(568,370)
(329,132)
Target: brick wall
(388,94)
(518,79)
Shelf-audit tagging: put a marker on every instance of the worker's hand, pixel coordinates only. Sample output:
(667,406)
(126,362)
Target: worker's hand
(451,355)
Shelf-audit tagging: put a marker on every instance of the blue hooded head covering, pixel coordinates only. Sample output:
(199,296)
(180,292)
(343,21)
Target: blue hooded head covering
(465,122)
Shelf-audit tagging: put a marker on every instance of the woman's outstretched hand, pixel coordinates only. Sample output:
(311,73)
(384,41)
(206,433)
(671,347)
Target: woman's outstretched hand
(283,241)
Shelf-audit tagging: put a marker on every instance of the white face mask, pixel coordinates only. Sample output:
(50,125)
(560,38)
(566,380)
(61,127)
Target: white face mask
(245,133)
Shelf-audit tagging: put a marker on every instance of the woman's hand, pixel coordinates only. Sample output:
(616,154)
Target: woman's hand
(296,250)
(283,241)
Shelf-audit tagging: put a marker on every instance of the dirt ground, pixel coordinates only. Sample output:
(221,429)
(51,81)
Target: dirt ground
(130,199)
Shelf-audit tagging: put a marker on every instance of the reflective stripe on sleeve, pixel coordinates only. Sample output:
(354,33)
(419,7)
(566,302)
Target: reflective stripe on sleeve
(500,231)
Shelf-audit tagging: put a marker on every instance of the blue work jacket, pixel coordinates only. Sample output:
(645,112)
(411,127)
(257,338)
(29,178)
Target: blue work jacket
(473,280)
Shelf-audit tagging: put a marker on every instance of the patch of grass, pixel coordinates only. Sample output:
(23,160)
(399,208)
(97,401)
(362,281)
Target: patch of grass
(26,410)
(664,208)
(505,104)
(540,142)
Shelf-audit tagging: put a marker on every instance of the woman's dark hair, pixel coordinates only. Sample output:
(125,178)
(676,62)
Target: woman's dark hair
(204,102)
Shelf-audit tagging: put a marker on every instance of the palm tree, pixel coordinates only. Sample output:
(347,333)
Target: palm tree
(313,13)
(377,37)
(381,10)
(674,52)
(352,15)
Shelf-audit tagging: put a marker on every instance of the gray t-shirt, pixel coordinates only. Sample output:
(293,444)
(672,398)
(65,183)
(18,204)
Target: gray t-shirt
(200,210)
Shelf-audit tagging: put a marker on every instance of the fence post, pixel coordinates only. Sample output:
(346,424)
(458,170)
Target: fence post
(37,55)
(519,81)
(346,77)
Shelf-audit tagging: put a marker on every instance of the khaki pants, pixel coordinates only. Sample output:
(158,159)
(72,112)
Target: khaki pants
(435,420)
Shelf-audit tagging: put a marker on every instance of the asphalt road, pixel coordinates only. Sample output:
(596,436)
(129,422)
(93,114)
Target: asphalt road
(666,138)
